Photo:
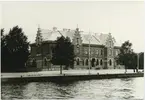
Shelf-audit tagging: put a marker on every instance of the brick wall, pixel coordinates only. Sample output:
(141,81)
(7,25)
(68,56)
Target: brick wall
(98,52)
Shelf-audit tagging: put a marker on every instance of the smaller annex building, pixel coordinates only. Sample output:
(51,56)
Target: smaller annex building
(103,48)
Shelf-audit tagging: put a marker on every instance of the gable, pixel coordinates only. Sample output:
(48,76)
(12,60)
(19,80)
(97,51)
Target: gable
(96,38)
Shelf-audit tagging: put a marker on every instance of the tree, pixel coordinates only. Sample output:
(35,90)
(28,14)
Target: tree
(2,31)
(14,50)
(141,60)
(4,52)
(127,57)
(63,53)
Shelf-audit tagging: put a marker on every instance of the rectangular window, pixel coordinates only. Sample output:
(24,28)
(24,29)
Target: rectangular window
(101,52)
(110,44)
(77,40)
(97,52)
(85,51)
(110,52)
(116,52)
(92,52)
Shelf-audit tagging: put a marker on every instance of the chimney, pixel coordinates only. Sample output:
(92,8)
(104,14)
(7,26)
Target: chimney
(64,29)
(69,30)
(54,28)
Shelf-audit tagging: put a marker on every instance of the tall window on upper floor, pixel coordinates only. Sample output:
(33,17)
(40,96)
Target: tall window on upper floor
(92,52)
(38,51)
(119,51)
(78,51)
(101,52)
(97,52)
(77,40)
(110,43)
(116,52)
(86,52)
(110,52)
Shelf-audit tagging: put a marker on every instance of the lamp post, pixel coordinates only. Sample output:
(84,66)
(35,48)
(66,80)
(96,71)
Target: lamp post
(40,46)
(90,49)
(42,54)
(89,57)
(89,52)
(61,65)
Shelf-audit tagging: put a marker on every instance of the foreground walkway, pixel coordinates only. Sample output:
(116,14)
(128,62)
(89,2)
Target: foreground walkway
(66,72)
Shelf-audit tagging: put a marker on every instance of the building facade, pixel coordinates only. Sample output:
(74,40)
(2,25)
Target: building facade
(94,50)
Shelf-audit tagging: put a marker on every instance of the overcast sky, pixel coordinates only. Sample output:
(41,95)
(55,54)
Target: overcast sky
(125,20)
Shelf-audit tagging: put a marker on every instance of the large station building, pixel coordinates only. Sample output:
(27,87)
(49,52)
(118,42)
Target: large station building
(103,48)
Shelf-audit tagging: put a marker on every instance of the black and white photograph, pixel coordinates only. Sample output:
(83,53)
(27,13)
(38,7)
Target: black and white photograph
(72,50)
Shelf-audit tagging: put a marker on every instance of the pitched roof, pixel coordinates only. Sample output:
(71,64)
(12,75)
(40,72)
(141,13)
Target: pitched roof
(96,38)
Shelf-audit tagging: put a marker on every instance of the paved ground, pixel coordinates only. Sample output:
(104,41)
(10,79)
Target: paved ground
(66,72)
